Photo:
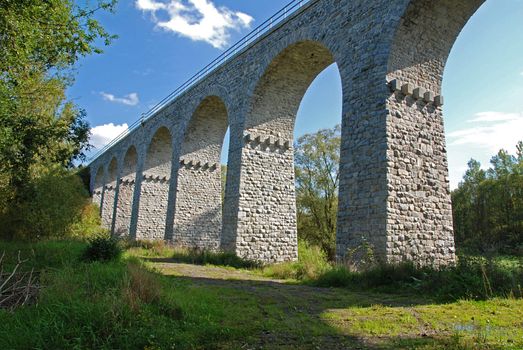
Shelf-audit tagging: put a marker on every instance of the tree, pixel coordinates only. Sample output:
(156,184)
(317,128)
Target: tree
(317,180)
(40,41)
(488,205)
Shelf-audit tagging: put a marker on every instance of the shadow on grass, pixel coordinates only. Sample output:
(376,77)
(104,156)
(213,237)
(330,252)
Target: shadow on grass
(205,257)
(294,316)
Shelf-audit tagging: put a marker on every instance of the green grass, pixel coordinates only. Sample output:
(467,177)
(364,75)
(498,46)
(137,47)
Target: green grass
(126,304)
(471,278)
(101,306)
(312,263)
(160,249)
(46,254)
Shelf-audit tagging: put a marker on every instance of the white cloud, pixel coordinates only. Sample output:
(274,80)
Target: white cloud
(492,131)
(150,5)
(494,117)
(129,100)
(101,135)
(199,20)
(495,130)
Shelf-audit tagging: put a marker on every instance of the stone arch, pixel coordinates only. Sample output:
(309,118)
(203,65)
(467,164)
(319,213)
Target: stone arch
(423,40)
(266,228)
(419,224)
(98,186)
(198,213)
(155,186)
(110,193)
(126,192)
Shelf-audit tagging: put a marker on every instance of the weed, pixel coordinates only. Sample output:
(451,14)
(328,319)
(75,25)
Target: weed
(312,262)
(102,249)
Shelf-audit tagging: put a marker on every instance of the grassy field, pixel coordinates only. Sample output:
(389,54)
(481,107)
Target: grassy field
(156,297)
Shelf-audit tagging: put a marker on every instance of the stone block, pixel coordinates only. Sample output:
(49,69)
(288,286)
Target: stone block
(419,93)
(395,85)
(438,101)
(407,89)
(429,97)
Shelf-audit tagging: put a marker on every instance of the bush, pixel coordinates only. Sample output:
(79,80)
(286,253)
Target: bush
(89,224)
(102,249)
(54,204)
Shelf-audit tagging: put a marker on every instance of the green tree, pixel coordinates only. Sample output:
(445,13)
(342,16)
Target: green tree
(317,180)
(40,41)
(488,205)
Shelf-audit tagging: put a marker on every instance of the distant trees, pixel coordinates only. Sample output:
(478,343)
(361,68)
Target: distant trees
(488,205)
(317,158)
(40,131)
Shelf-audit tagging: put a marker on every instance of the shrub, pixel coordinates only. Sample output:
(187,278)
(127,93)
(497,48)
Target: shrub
(54,204)
(88,224)
(102,249)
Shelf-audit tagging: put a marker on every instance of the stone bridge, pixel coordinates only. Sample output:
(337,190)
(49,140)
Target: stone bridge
(162,181)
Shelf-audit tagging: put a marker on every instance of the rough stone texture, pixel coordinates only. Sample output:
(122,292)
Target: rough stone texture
(125,194)
(198,213)
(394,191)
(266,226)
(419,222)
(155,187)
(110,195)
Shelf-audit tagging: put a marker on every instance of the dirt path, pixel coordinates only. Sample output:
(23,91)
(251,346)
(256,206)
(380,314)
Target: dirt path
(280,314)
(297,310)
(263,286)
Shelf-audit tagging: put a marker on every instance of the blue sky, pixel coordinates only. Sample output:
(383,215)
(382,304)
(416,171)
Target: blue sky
(160,46)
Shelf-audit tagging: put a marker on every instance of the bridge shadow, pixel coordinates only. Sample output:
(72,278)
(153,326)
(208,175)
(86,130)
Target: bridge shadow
(296,316)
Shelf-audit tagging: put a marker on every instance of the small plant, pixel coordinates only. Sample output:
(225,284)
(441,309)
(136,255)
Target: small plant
(102,249)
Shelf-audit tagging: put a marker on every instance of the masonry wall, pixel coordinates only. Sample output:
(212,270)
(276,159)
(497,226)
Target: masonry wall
(393,173)
(107,207)
(155,187)
(124,208)
(124,205)
(198,213)
(266,227)
(419,222)
(153,209)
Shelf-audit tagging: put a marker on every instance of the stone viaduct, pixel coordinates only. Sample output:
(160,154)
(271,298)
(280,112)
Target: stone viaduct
(162,181)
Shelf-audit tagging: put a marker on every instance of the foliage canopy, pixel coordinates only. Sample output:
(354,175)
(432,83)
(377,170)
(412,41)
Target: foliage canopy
(40,41)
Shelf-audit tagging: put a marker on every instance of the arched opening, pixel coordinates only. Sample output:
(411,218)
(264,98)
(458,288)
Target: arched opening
(198,213)
(99,187)
(109,194)
(317,136)
(267,227)
(224,159)
(155,187)
(125,193)
(481,110)
(420,225)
